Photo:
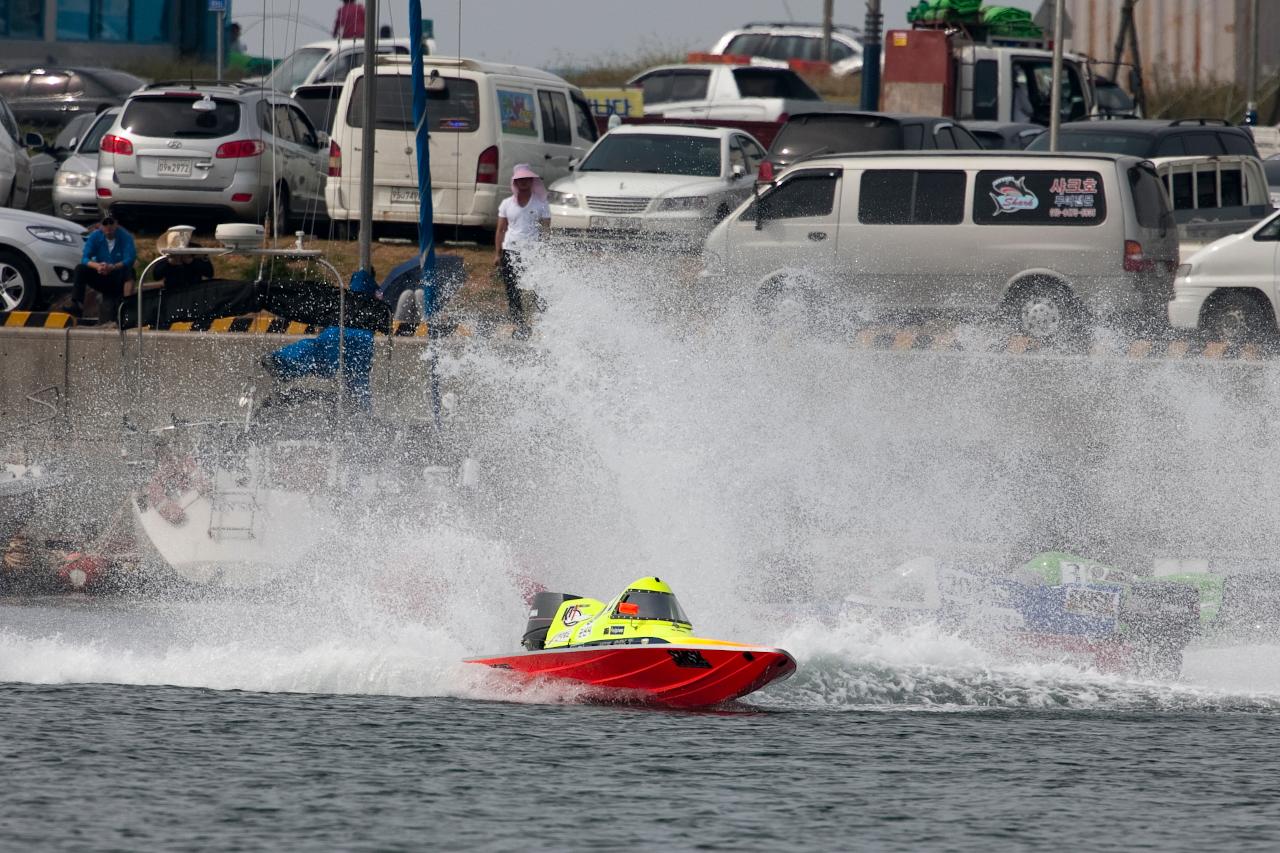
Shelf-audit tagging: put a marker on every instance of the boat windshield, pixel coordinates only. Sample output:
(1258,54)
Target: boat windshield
(642,604)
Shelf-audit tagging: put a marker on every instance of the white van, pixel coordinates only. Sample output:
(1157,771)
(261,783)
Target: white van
(1051,239)
(484,119)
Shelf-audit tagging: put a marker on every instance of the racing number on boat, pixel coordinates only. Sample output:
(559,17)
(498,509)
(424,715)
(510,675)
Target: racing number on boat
(689,658)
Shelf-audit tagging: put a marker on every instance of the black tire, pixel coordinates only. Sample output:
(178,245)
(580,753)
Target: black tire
(19,284)
(277,219)
(1238,316)
(1046,311)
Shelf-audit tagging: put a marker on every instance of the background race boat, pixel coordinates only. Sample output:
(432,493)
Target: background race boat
(639,646)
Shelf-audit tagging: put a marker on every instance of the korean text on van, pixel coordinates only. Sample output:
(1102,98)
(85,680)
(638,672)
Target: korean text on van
(484,118)
(1050,239)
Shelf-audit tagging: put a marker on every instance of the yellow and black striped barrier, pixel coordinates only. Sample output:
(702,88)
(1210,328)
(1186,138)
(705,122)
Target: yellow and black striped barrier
(37,319)
(269,325)
(907,340)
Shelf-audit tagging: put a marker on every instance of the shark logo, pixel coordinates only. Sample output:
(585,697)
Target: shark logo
(1011,195)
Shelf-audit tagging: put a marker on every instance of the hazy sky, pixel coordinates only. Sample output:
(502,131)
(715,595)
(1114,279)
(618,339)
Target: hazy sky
(555,33)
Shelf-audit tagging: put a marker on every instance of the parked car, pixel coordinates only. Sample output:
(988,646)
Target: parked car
(329,61)
(229,151)
(656,182)
(725,91)
(1004,135)
(46,160)
(1213,196)
(788,41)
(1149,138)
(15,162)
(38,254)
(1049,240)
(49,96)
(1271,167)
(320,102)
(485,118)
(849,132)
(74,193)
(1228,289)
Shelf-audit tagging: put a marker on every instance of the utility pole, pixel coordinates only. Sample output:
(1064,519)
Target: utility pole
(1128,37)
(1251,110)
(1055,97)
(827,13)
(367,166)
(871,40)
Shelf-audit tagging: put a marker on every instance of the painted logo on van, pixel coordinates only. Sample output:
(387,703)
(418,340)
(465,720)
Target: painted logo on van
(1011,195)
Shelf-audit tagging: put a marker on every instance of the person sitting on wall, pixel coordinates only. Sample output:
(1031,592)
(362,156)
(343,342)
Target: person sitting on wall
(106,265)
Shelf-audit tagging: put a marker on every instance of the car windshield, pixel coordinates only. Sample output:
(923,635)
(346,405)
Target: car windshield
(173,117)
(89,145)
(294,68)
(659,154)
(837,134)
(319,103)
(1272,168)
(650,605)
(1133,144)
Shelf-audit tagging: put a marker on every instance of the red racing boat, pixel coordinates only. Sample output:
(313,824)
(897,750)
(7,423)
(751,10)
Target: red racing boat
(641,647)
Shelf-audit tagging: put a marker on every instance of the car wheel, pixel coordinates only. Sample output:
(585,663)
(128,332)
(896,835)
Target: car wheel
(1044,311)
(1238,316)
(276,220)
(344,229)
(19,284)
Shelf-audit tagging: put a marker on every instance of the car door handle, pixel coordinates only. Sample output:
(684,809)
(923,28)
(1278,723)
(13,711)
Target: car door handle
(817,236)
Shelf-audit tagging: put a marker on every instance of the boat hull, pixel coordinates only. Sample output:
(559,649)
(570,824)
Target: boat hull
(685,675)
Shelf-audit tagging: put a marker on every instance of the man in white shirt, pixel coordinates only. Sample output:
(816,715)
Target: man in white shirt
(521,220)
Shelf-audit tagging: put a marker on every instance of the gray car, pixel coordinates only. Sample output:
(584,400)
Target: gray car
(74,195)
(226,151)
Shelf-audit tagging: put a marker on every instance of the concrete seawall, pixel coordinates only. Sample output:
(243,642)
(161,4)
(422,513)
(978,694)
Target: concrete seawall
(192,376)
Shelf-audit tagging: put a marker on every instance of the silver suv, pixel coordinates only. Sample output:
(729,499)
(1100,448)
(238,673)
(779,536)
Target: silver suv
(224,150)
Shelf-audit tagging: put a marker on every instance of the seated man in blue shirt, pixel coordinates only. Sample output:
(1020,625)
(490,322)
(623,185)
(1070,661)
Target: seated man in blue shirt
(106,266)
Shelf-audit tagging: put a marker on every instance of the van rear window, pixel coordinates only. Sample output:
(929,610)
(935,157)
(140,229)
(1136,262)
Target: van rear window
(1041,197)
(454,110)
(911,197)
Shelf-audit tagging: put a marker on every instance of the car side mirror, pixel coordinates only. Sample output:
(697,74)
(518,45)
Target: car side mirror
(737,171)
(33,140)
(573,163)
(322,139)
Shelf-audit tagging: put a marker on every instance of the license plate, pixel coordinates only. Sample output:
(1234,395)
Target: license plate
(173,168)
(404,195)
(616,223)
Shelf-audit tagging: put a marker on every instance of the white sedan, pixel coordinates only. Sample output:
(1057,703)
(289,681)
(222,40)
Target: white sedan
(37,253)
(1228,289)
(656,182)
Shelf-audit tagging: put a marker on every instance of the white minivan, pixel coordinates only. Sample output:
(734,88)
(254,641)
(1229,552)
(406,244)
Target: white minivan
(484,119)
(1049,239)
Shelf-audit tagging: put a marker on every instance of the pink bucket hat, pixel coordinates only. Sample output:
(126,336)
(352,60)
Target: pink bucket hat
(522,170)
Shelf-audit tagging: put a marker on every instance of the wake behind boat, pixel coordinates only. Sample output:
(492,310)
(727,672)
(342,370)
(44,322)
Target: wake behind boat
(638,646)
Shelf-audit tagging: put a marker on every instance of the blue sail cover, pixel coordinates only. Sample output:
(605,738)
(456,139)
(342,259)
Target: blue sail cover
(426,237)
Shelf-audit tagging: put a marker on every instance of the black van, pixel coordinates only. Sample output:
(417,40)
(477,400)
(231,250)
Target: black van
(809,134)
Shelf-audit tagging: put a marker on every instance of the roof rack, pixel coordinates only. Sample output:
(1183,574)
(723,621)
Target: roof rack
(808,24)
(1201,122)
(194,84)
